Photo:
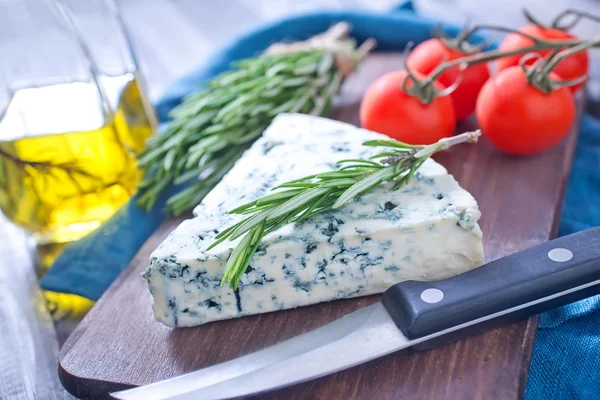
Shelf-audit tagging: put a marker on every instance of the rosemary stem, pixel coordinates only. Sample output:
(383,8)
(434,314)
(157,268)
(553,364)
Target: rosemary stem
(365,48)
(445,143)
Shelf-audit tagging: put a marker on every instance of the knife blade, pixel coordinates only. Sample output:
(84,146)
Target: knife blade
(411,313)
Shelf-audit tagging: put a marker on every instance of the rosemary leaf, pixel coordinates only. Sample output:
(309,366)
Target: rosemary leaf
(310,211)
(389,143)
(338,183)
(225,233)
(325,64)
(276,197)
(296,202)
(238,254)
(367,183)
(250,223)
(169,158)
(339,174)
(358,161)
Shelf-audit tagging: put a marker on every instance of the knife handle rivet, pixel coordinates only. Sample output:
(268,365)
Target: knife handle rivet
(432,296)
(560,255)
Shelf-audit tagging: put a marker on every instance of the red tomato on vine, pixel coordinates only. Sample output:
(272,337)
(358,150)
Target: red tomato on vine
(387,109)
(521,119)
(431,53)
(572,67)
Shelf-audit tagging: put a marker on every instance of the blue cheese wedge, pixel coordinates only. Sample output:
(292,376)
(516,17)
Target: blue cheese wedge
(426,230)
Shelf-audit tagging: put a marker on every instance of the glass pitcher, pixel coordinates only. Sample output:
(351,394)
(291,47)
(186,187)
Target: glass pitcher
(73,115)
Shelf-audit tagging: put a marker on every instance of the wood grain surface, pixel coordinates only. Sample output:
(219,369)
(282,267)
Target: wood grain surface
(119,344)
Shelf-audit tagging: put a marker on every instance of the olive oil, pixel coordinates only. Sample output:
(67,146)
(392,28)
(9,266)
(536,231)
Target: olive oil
(62,306)
(67,154)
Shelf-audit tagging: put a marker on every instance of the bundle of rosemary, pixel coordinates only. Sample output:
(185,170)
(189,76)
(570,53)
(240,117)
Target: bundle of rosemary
(210,130)
(297,200)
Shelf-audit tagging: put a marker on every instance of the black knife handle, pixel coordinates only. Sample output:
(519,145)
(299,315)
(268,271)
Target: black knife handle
(423,308)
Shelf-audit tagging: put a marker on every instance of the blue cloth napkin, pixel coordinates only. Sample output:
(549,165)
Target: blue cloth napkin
(567,349)
(566,355)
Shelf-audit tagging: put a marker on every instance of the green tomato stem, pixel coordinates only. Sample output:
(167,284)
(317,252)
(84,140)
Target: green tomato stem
(426,93)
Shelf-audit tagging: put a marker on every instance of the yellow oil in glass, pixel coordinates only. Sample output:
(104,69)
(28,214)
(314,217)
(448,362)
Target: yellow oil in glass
(67,155)
(61,306)
(67,163)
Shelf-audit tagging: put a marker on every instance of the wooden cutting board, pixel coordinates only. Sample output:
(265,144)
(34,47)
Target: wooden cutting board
(119,344)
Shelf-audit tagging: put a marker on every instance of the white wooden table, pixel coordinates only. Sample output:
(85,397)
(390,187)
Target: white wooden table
(171,38)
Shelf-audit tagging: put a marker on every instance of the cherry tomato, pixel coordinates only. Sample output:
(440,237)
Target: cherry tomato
(387,109)
(431,53)
(520,119)
(572,67)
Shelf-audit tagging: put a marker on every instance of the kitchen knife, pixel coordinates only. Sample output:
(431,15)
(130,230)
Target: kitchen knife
(411,313)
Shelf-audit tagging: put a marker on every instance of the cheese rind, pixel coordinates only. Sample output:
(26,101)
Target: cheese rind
(426,230)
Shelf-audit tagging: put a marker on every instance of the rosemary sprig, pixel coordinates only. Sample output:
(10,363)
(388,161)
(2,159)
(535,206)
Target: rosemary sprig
(212,127)
(297,200)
